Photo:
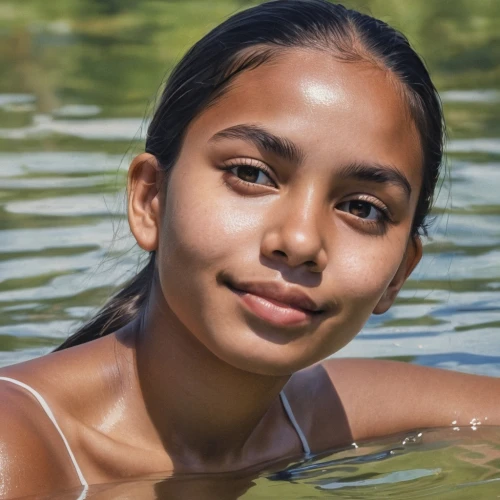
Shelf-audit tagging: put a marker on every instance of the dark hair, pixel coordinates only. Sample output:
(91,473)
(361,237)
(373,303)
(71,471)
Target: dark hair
(243,42)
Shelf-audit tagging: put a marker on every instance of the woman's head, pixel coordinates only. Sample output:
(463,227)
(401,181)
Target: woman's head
(303,143)
(259,35)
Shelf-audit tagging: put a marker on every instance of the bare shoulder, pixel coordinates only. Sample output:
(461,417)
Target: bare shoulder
(383,397)
(78,385)
(318,409)
(32,458)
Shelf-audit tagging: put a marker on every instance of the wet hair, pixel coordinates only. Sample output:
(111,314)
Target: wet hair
(250,39)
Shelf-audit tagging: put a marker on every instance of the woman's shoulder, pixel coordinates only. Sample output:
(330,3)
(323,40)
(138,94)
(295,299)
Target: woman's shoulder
(375,397)
(43,402)
(33,456)
(318,408)
(65,378)
(341,400)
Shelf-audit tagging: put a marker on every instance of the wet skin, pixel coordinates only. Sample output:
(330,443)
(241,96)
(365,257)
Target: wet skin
(285,222)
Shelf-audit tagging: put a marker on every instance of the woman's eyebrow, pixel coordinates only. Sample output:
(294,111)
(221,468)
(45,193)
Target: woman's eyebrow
(376,172)
(280,146)
(263,140)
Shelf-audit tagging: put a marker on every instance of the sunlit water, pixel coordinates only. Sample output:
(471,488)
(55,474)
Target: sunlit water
(72,103)
(458,463)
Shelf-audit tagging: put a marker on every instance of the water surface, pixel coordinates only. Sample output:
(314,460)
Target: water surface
(433,464)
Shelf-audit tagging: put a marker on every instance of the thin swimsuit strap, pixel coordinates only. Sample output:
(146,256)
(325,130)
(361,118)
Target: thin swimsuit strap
(52,418)
(293,421)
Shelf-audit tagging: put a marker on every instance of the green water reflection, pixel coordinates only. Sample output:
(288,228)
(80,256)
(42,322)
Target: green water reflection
(113,54)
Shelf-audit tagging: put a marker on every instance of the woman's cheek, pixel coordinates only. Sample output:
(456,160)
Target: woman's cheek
(367,271)
(203,226)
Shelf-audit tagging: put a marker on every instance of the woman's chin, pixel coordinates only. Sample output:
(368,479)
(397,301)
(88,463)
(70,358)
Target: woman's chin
(263,358)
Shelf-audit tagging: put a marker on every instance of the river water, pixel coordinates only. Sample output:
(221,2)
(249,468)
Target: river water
(78,82)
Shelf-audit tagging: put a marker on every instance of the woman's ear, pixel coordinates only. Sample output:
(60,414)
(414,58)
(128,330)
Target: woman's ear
(144,181)
(411,258)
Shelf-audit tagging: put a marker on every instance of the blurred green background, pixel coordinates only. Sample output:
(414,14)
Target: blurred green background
(115,53)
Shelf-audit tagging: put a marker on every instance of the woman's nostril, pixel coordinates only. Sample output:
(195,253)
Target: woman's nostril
(279,253)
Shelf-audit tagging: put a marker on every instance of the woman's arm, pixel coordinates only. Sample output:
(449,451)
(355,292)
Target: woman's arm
(385,397)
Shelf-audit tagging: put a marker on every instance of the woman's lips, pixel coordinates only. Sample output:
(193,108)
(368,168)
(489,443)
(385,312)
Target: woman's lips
(273,312)
(261,300)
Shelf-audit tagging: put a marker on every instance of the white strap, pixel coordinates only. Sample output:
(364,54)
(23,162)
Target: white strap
(49,413)
(291,417)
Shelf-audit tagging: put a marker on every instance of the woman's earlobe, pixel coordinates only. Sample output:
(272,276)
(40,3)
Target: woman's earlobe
(410,260)
(143,200)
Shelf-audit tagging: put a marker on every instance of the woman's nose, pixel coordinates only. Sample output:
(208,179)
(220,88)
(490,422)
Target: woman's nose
(294,236)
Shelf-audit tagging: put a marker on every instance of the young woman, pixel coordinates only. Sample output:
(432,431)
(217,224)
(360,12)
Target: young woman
(288,172)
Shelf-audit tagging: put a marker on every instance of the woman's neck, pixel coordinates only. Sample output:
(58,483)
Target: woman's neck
(204,410)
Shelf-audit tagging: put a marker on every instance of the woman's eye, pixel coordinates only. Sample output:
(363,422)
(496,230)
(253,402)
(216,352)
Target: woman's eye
(361,209)
(252,175)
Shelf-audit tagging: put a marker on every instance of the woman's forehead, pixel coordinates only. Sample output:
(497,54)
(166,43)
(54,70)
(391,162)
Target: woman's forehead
(323,104)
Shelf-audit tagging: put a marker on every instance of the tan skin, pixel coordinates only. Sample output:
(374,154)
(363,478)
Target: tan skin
(194,386)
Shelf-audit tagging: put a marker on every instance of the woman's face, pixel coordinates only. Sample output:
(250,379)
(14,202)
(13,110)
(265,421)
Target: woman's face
(287,216)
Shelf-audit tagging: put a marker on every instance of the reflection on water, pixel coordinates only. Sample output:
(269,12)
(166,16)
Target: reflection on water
(459,463)
(101,129)
(79,78)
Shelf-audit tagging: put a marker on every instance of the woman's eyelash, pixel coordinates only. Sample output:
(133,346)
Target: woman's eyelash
(358,207)
(252,166)
(245,162)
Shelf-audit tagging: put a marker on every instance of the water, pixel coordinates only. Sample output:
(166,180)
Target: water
(79,77)
(434,464)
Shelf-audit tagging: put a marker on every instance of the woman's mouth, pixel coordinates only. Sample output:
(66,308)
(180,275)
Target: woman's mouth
(276,304)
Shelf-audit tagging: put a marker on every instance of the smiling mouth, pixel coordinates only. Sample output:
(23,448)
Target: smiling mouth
(277,306)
